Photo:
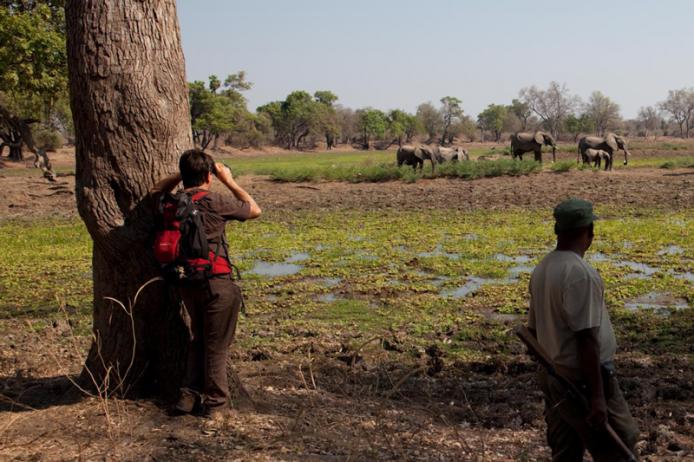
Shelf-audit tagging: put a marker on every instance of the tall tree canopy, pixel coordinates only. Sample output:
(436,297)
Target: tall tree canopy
(680,105)
(552,105)
(33,80)
(603,111)
(492,119)
(451,112)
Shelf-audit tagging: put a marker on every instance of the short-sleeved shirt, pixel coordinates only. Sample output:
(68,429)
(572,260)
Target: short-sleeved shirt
(567,296)
(216,209)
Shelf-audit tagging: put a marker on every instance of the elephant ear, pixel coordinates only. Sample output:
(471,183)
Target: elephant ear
(611,141)
(539,137)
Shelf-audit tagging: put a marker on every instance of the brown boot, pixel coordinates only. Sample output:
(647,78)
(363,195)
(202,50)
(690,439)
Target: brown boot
(216,414)
(187,402)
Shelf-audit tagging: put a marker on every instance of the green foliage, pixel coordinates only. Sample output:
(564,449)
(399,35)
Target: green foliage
(325,97)
(579,124)
(33,66)
(563,166)
(521,110)
(492,119)
(299,116)
(680,162)
(372,123)
(33,58)
(48,139)
(402,126)
(451,112)
(467,170)
(214,113)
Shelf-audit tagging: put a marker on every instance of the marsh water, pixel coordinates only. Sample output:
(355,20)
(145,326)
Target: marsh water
(460,287)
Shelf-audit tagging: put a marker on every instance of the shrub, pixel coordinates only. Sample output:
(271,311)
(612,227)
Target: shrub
(468,170)
(563,166)
(48,139)
(682,162)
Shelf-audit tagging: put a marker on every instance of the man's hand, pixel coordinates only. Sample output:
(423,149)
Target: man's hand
(224,175)
(598,412)
(221,171)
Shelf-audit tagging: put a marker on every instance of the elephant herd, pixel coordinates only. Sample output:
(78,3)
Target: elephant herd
(591,149)
(415,155)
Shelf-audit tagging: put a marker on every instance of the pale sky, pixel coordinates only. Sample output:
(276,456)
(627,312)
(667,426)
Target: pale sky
(393,54)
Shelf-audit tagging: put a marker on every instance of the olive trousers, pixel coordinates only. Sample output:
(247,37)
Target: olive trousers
(568,433)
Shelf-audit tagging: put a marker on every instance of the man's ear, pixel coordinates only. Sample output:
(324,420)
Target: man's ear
(208,178)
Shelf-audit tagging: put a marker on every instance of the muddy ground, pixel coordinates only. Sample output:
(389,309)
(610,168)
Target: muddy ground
(308,403)
(34,197)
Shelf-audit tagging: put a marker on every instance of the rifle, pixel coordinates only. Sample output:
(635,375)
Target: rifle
(536,350)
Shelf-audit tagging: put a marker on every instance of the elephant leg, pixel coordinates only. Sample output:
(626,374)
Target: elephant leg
(538,156)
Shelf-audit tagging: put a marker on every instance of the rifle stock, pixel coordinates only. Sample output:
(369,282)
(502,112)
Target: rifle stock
(536,350)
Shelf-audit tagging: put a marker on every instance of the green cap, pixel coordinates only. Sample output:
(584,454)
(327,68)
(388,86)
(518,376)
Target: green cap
(573,213)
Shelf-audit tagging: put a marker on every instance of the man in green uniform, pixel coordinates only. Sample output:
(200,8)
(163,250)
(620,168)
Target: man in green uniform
(570,321)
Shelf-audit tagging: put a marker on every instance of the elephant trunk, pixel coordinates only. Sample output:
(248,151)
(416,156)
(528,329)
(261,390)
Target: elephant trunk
(626,156)
(554,153)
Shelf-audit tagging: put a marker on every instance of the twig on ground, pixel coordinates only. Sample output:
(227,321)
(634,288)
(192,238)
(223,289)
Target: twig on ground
(396,387)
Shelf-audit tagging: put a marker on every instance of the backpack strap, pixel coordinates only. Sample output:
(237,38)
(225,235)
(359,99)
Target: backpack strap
(198,195)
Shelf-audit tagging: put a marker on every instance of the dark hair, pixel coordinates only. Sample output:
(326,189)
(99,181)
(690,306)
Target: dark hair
(571,234)
(194,166)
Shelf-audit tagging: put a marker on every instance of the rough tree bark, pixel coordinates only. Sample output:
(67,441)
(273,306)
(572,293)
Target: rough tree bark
(129,103)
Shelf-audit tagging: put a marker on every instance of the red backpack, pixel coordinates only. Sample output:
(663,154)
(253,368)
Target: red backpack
(180,243)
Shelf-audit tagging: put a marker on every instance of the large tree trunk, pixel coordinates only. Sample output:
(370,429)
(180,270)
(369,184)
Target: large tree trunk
(130,108)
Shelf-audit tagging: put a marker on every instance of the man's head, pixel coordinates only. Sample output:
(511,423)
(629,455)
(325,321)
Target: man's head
(196,168)
(574,224)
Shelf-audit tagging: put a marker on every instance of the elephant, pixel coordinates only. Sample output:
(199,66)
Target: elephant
(610,143)
(525,142)
(415,155)
(598,155)
(452,154)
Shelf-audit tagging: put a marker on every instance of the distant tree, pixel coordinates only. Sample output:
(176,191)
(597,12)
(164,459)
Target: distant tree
(327,117)
(33,69)
(521,111)
(451,111)
(650,120)
(214,113)
(577,125)
(430,119)
(492,120)
(295,119)
(402,126)
(372,123)
(680,105)
(325,97)
(214,83)
(603,111)
(211,114)
(347,123)
(552,106)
